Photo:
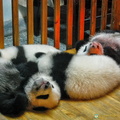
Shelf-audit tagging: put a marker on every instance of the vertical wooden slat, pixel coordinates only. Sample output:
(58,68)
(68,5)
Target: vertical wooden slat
(115,21)
(69,23)
(81,19)
(1,25)
(44,21)
(15,22)
(104,14)
(57,23)
(30,27)
(93,17)
(75,21)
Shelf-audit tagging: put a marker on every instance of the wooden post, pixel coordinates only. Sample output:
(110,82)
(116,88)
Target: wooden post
(93,17)
(104,14)
(115,21)
(15,22)
(81,19)
(1,25)
(30,25)
(43,21)
(69,23)
(57,23)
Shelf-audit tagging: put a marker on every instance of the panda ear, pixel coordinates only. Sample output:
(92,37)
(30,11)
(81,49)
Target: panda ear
(39,54)
(27,69)
(79,44)
(13,104)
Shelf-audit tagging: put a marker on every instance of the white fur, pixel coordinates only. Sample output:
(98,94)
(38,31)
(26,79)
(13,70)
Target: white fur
(91,76)
(88,76)
(54,93)
(84,49)
(109,39)
(30,50)
(45,63)
(9,53)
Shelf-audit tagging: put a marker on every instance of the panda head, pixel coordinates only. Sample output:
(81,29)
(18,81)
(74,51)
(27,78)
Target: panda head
(84,48)
(90,48)
(42,92)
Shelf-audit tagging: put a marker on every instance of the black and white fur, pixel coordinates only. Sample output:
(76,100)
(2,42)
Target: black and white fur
(80,77)
(56,76)
(12,101)
(17,65)
(110,41)
(25,88)
(73,77)
(67,76)
(25,53)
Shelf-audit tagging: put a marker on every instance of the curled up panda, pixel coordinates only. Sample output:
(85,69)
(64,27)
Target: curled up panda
(13,100)
(103,43)
(54,76)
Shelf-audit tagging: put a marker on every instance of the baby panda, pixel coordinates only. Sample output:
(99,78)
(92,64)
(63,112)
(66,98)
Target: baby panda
(106,42)
(24,53)
(78,77)
(54,76)
(17,65)
(21,89)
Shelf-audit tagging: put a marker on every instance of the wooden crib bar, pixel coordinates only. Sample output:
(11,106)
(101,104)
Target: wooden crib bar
(15,22)
(104,14)
(30,27)
(69,32)
(1,25)
(115,22)
(93,17)
(44,22)
(81,19)
(57,23)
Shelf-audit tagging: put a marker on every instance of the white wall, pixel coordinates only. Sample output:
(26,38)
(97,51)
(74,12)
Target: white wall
(8,10)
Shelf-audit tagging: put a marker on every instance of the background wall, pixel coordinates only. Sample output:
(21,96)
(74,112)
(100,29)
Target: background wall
(8,10)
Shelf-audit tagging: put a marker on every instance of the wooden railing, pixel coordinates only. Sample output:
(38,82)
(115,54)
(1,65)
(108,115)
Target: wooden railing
(115,21)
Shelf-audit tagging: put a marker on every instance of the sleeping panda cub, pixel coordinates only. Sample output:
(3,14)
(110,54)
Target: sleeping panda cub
(75,77)
(106,42)
(22,89)
(37,86)
(17,65)
(24,53)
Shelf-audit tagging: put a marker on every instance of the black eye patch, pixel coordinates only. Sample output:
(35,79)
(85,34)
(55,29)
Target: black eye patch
(43,96)
(40,108)
(85,49)
(39,54)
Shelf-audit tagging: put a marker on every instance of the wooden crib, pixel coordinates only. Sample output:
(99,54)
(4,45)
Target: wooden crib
(70,24)
(105,108)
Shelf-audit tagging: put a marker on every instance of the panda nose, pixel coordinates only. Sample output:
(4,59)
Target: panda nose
(47,85)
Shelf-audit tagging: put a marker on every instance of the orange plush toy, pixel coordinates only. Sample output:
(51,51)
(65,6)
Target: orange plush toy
(95,49)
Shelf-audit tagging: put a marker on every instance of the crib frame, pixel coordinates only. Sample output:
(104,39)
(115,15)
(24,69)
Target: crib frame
(115,21)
